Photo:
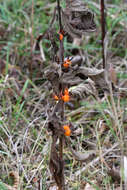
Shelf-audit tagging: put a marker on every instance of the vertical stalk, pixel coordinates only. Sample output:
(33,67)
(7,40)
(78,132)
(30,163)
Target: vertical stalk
(103,24)
(31,40)
(61,60)
(59,14)
(61,49)
(61,158)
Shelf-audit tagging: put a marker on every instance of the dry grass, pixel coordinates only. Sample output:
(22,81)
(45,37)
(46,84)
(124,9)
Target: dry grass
(99,121)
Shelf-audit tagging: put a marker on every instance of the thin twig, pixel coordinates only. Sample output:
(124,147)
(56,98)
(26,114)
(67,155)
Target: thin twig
(31,40)
(59,14)
(61,49)
(103,24)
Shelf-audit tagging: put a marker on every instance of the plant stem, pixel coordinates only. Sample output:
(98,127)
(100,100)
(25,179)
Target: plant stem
(61,49)
(59,14)
(103,23)
(61,60)
(31,40)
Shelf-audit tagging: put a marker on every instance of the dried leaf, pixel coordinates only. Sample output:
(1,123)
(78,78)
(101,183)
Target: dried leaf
(56,165)
(89,72)
(77,19)
(69,28)
(82,156)
(84,89)
(79,155)
(52,74)
(96,75)
(77,60)
(76,5)
(80,25)
(69,79)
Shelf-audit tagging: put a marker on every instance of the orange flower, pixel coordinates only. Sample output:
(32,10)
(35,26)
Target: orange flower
(67,130)
(56,97)
(66,96)
(66,92)
(60,36)
(67,63)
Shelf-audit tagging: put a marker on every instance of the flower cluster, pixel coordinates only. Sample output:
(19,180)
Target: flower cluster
(67,63)
(65,97)
(67,130)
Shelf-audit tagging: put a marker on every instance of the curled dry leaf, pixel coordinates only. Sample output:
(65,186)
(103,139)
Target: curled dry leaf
(82,156)
(79,155)
(94,85)
(81,20)
(84,89)
(97,75)
(76,5)
(77,60)
(70,80)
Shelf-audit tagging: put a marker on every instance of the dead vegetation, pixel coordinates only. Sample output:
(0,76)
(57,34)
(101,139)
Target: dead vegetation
(63,96)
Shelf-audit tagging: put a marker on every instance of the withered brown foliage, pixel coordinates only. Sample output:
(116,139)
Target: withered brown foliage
(62,76)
